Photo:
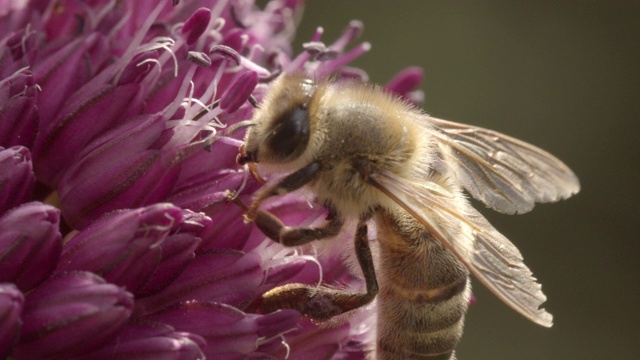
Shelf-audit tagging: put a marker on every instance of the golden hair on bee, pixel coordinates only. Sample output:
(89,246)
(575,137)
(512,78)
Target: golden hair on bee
(369,156)
(337,121)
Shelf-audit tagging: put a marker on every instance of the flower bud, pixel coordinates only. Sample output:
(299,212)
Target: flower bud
(405,81)
(16,177)
(11,303)
(151,341)
(123,247)
(19,116)
(196,25)
(30,244)
(117,172)
(231,277)
(239,92)
(177,251)
(72,314)
(225,328)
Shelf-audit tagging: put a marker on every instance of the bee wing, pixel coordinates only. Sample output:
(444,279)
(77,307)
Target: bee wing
(507,174)
(488,255)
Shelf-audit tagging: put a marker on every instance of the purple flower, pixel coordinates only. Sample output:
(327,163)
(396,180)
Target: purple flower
(139,340)
(11,304)
(16,177)
(116,122)
(142,249)
(30,244)
(70,314)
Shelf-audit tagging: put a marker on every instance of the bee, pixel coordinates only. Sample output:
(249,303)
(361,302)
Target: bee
(369,156)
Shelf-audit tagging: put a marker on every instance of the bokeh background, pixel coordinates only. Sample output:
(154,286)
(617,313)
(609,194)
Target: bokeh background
(566,77)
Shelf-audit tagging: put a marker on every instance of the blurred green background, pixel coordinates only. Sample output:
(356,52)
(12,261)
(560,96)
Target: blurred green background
(566,77)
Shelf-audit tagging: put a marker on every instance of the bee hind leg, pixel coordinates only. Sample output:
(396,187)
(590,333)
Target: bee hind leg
(324,303)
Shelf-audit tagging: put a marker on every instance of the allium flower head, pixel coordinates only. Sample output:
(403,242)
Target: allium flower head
(118,141)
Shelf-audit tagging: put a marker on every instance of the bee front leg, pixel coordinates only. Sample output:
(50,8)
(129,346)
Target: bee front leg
(324,303)
(290,183)
(274,229)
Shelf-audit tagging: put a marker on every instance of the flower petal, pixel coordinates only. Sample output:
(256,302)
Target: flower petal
(116,172)
(225,328)
(151,341)
(16,177)
(196,25)
(231,277)
(126,247)
(177,251)
(239,92)
(30,244)
(19,114)
(406,81)
(11,303)
(83,118)
(82,57)
(71,314)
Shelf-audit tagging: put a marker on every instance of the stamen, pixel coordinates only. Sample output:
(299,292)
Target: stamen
(254,49)
(26,71)
(185,87)
(313,258)
(218,24)
(264,340)
(226,52)
(142,32)
(250,65)
(104,11)
(206,109)
(153,61)
(331,66)
(165,45)
(199,58)
(23,41)
(234,16)
(289,28)
(350,33)
(286,346)
(318,34)
(354,73)
(243,184)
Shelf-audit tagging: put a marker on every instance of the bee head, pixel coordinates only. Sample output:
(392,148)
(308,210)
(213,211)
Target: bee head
(282,129)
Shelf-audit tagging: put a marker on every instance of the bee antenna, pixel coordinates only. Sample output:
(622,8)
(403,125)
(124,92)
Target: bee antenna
(239,125)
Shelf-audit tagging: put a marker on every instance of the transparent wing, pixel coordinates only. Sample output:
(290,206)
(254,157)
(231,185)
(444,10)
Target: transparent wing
(507,174)
(488,255)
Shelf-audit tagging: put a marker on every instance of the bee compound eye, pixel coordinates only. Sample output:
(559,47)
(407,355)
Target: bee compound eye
(291,133)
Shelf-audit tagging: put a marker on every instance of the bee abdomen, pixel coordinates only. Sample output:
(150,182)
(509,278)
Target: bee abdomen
(424,324)
(424,293)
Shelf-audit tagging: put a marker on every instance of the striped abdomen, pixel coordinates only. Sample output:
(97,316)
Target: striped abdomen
(424,292)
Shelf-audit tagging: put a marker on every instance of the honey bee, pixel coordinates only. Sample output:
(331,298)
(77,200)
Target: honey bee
(369,156)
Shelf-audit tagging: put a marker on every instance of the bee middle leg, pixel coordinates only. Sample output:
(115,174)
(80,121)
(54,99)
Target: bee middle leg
(324,303)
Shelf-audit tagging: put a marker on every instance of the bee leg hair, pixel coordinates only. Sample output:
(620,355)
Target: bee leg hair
(290,183)
(271,226)
(323,303)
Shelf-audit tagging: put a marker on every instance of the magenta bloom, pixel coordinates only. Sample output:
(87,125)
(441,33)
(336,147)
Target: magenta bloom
(116,237)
